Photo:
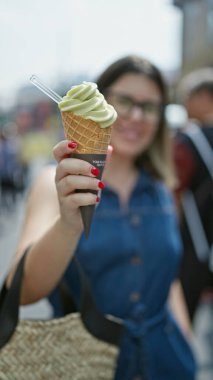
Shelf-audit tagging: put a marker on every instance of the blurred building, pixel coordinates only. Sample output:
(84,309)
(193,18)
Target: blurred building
(197,35)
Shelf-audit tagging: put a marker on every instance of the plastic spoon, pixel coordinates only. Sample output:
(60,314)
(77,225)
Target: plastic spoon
(45,89)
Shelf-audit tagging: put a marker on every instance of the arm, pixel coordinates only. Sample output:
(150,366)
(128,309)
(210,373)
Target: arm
(178,307)
(52,223)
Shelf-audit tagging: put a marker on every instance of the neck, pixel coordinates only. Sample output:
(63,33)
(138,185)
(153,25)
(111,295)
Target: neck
(209,118)
(118,167)
(121,175)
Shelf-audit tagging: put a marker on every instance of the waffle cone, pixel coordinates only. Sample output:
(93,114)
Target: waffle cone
(92,145)
(88,135)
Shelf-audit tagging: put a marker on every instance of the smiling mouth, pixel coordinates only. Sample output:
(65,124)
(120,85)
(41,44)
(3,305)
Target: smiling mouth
(130,134)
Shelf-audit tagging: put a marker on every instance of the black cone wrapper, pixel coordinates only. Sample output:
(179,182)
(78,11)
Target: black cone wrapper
(98,161)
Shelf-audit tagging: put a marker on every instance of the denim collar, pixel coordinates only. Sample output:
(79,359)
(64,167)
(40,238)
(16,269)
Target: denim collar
(145,182)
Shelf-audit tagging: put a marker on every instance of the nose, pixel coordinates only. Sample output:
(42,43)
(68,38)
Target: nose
(137,113)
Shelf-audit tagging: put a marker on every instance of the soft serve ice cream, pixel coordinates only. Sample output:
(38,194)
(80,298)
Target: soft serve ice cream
(85,100)
(87,118)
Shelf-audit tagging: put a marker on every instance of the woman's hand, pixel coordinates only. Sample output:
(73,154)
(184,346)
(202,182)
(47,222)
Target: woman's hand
(74,174)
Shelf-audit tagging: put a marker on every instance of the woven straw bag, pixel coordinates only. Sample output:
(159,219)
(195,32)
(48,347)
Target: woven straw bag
(79,346)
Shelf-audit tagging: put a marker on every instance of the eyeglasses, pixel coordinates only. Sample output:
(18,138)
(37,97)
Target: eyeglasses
(124,105)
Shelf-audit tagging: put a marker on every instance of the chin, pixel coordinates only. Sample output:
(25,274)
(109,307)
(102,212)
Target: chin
(129,147)
(128,151)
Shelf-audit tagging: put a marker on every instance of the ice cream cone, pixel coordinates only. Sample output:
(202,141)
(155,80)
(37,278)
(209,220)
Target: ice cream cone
(92,144)
(89,136)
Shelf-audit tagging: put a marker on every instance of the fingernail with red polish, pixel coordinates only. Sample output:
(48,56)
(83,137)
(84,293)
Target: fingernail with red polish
(95,171)
(101,185)
(97,199)
(72,144)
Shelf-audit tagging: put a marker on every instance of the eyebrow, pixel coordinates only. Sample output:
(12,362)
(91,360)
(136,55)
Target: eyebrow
(131,97)
(155,101)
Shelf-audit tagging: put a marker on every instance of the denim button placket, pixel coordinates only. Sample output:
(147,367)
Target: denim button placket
(135,220)
(135,296)
(136,260)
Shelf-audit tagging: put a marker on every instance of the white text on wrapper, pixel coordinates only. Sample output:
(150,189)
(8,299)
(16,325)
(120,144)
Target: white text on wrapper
(98,163)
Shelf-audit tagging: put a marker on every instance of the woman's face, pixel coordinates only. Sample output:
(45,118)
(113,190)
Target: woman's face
(137,101)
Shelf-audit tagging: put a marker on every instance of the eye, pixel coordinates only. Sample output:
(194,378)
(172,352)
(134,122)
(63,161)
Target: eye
(151,107)
(123,101)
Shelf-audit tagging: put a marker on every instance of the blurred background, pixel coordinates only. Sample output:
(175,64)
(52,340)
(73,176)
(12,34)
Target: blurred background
(65,43)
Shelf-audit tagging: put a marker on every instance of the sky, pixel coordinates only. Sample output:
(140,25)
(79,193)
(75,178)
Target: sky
(60,39)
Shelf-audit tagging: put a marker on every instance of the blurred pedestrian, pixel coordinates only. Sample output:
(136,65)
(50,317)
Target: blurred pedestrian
(13,172)
(194,163)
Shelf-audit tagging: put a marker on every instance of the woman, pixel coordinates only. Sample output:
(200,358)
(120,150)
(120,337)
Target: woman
(133,252)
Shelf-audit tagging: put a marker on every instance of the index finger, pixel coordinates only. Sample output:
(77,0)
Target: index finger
(63,149)
(75,166)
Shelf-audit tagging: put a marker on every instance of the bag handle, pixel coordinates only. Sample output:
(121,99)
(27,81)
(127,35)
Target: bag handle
(9,303)
(107,329)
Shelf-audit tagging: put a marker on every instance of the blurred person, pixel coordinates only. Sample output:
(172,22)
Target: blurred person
(38,133)
(134,249)
(194,164)
(12,169)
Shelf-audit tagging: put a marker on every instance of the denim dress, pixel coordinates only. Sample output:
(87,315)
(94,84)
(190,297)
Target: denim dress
(131,258)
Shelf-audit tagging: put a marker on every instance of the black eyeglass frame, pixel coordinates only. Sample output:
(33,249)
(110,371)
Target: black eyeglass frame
(159,110)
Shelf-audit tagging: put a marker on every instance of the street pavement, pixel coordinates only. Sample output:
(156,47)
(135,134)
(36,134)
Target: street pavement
(10,226)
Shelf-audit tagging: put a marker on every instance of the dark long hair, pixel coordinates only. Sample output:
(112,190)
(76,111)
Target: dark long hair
(157,158)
